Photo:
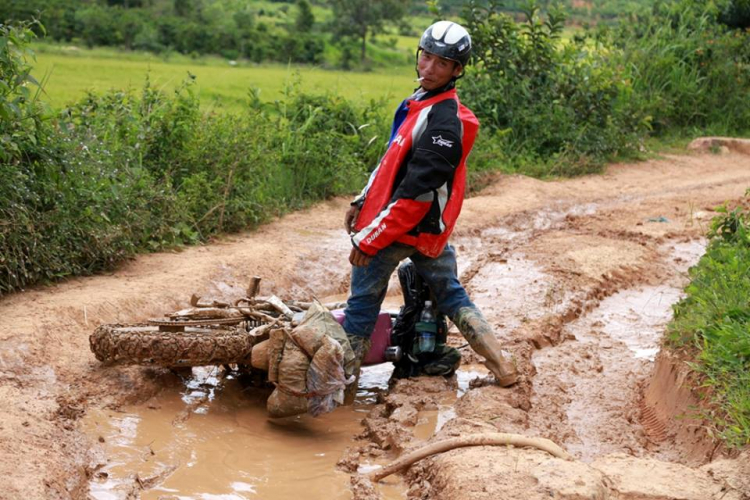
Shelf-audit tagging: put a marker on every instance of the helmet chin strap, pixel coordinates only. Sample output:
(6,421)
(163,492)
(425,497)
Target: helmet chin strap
(416,60)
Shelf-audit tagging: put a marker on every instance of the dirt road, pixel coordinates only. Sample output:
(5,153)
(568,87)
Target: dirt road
(577,276)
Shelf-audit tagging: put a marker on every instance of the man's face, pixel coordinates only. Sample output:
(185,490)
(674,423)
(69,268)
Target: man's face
(436,71)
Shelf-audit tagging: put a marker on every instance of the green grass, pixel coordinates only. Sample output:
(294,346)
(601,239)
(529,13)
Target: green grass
(73,71)
(712,324)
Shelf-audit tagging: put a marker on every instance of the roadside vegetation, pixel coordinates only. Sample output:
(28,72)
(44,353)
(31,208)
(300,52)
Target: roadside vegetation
(556,108)
(712,323)
(99,176)
(122,172)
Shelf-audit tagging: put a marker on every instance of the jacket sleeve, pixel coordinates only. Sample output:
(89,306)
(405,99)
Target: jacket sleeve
(431,167)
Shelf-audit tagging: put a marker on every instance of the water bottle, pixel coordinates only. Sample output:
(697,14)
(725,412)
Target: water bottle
(426,329)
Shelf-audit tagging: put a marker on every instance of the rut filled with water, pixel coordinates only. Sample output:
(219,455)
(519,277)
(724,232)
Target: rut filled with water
(210,438)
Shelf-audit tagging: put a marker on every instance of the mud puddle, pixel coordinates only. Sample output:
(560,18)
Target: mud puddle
(211,439)
(505,287)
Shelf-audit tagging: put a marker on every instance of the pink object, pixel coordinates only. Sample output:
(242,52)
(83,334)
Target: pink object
(381,337)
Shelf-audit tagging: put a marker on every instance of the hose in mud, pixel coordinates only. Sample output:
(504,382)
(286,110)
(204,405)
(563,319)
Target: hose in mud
(491,439)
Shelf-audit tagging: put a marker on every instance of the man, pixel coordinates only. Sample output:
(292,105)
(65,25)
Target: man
(412,200)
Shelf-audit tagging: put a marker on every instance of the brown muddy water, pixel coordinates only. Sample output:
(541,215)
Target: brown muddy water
(211,439)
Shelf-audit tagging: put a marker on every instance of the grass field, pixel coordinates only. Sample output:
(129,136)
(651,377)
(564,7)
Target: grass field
(73,71)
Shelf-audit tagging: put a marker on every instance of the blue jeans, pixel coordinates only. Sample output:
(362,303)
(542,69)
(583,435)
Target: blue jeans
(370,283)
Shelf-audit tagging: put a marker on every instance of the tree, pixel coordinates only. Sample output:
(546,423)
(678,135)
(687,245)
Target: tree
(97,25)
(125,3)
(358,18)
(305,18)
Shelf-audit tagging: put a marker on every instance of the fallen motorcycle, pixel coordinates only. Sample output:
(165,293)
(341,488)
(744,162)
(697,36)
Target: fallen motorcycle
(289,342)
(219,333)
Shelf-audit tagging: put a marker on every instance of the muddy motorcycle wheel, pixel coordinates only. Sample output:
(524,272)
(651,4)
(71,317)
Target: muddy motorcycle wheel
(145,344)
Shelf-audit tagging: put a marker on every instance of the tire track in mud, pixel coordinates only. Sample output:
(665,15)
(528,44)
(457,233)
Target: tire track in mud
(549,298)
(560,354)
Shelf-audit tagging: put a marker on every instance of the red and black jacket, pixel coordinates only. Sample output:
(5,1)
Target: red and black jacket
(415,194)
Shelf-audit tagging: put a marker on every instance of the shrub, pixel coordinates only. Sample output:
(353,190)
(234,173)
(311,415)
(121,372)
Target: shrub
(736,14)
(120,173)
(550,101)
(22,116)
(689,72)
(570,106)
(200,27)
(98,25)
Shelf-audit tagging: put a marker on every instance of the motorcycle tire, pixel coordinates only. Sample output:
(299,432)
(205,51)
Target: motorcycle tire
(144,344)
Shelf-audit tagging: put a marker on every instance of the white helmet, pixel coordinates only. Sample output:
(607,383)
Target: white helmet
(449,40)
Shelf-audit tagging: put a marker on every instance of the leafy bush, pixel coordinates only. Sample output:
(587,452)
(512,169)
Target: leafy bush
(736,14)
(732,228)
(98,25)
(571,106)
(22,130)
(713,320)
(120,173)
(58,16)
(551,101)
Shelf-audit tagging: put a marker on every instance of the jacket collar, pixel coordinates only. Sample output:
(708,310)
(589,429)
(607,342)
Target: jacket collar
(431,99)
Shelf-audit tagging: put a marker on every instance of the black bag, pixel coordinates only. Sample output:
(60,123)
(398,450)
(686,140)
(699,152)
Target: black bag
(443,360)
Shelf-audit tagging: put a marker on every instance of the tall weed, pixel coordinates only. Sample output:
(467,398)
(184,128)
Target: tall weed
(22,116)
(687,71)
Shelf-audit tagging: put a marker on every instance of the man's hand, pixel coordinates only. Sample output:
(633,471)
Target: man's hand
(358,258)
(351,218)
